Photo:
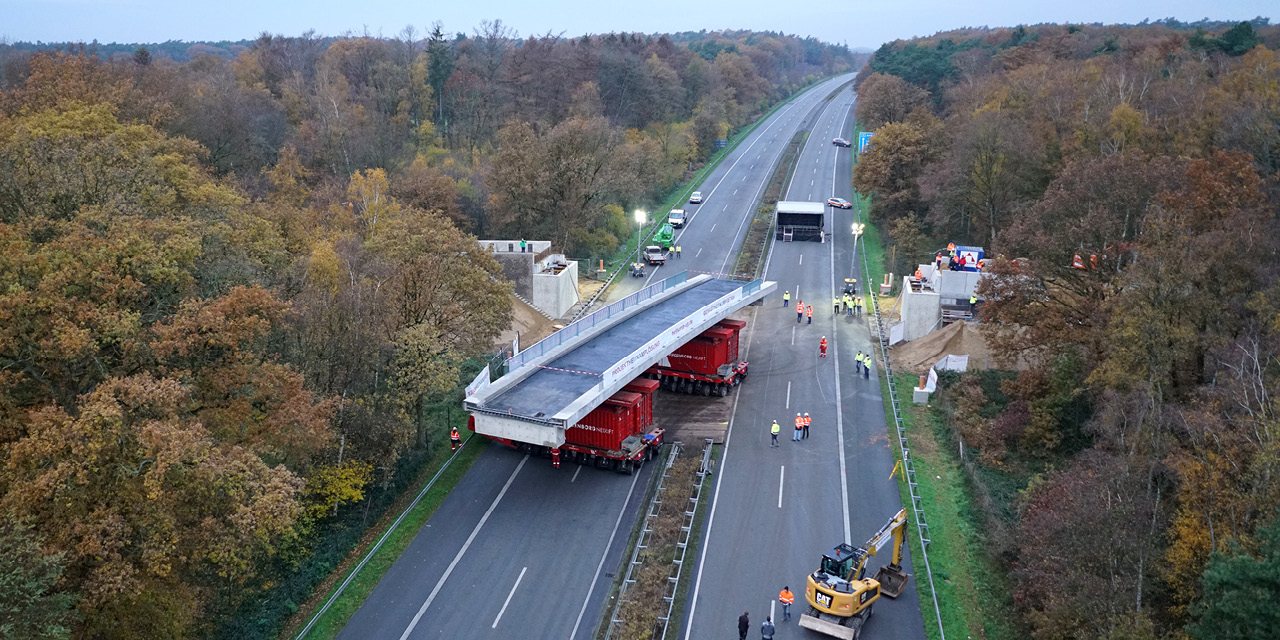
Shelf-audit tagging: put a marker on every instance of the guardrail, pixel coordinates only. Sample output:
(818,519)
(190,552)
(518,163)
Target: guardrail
(909,472)
(574,330)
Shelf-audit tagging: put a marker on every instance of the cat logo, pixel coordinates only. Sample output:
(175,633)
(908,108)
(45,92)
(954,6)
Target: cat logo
(823,599)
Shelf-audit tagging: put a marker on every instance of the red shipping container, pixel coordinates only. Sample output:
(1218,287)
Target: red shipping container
(608,424)
(644,418)
(704,354)
(736,326)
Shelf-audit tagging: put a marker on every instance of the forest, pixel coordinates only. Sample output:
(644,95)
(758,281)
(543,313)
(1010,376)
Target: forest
(241,287)
(1125,183)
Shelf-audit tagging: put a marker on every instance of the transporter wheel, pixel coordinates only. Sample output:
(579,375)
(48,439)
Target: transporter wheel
(638,463)
(722,390)
(705,388)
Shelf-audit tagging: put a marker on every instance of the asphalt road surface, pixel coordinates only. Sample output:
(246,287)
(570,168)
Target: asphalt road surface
(776,510)
(521,550)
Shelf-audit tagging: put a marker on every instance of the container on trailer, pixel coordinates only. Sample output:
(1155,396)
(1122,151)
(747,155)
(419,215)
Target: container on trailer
(644,416)
(736,326)
(608,424)
(704,354)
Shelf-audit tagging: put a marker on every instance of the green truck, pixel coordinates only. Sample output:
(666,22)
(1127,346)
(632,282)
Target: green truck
(664,236)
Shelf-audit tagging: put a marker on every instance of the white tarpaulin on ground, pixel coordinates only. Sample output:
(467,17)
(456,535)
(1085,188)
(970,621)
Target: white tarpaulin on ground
(952,363)
(481,381)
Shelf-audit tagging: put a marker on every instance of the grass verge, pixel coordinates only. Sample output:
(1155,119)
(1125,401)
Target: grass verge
(973,593)
(755,244)
(695,543)
(336,617)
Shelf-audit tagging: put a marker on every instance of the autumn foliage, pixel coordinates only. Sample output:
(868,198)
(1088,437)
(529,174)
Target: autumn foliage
(1140,437)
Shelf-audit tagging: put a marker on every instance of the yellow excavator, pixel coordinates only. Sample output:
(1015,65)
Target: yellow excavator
(839,597)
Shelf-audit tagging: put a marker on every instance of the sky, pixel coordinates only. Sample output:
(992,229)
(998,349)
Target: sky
(852,22)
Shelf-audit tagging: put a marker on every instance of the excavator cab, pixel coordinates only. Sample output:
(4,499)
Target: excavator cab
(840,561)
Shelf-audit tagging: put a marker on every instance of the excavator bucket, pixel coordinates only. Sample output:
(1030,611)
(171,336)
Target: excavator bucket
(826,627)
(892,579)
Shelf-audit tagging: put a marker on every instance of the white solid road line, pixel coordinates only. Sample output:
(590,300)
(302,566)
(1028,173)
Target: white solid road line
(513,592)
(782,473)
(793,341)
(614,533)
(575,473)
(835,358)
(471,538)
(802,258)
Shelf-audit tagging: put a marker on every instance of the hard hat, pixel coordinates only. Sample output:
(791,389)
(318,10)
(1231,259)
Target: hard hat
(797,415)
(806,414)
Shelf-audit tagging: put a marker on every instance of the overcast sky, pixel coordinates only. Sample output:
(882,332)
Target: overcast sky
(859,24)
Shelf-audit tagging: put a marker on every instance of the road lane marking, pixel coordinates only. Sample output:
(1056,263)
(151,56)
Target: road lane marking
(592,587)
(802,258)
(793,341)
(575,473)
(735,192)
(466,545)
(724,208)
(698,253)
(771,603)
(713,228)
(782,472)
(513,592)
(835,355)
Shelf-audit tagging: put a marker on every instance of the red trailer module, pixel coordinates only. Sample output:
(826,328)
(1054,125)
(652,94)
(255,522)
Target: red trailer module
(618,434)
(706,364)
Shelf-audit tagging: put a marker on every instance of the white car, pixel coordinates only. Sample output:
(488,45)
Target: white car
(676,218)
(696,198)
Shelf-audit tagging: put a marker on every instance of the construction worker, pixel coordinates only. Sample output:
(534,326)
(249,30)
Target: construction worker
(773,433)
(786,298)
(866,367)
(973,301)
(787,599)
(799,427)
(455,438)
(835,302)
(799,310)
(919,275)
(822,347)
(858,303)
(677,252)
(807,422)
(848,304)
(523,244)
(808,311)
(857,363)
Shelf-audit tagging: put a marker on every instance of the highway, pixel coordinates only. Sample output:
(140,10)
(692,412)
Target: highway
(522,550)
(776,510)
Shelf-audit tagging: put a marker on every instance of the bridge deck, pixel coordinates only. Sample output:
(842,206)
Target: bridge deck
(563,380)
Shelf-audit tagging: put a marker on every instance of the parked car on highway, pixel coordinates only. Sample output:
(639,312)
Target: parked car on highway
(676,218)
(655,255)
(841,142)
(696,198)
(839,203)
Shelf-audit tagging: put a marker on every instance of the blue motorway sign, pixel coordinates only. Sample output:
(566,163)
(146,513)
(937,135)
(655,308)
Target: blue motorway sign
(864,139)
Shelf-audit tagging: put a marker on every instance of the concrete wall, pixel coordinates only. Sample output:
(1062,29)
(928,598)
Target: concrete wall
(513,246)
(555,293)
(921,311)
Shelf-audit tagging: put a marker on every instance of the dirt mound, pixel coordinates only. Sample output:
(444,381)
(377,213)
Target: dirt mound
(532,325)
(958,338)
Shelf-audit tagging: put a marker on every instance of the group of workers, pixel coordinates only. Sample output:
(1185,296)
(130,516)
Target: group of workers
(956,260)
(801,432)
(846,303)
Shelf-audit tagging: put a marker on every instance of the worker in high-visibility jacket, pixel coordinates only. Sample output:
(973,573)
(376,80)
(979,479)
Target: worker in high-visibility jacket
(858,304)
(808,312)
(787,599)
(807,422)
(786,297)
(973,301)
(822,347)
(857,363)
(835,302)
(455,438)
(799,426)
(773,434)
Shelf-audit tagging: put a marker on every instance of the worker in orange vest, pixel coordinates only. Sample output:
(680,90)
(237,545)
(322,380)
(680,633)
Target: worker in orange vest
(822,347)
(455,438)
(808,311)
(919,274)
(787,599)
(799,310)
(807,422)
(799,427)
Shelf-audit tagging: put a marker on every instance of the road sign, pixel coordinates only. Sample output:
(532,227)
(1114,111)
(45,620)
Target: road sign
(864,139)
